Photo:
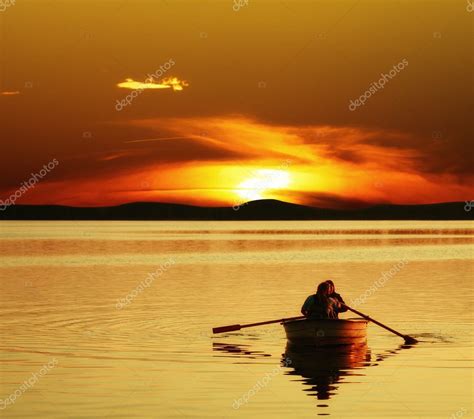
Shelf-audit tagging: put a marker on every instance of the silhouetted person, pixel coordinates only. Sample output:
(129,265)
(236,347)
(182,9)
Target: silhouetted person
(321,305)
(336,296)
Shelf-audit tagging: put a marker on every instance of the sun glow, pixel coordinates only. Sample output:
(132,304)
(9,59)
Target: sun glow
(261,182)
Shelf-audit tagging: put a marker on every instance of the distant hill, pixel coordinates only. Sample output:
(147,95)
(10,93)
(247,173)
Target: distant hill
(267,209)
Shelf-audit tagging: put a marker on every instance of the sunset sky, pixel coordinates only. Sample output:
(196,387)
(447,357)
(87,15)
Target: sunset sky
(207,103)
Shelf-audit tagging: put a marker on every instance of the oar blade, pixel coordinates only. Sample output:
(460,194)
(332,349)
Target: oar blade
(409,340)
(231,328)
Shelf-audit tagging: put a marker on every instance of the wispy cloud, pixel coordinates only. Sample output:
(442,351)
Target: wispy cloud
(168,83)
(146,140)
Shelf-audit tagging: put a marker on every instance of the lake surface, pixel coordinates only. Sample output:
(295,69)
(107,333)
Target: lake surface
(113,319)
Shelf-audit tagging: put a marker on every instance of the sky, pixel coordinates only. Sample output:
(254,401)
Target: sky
(338,104)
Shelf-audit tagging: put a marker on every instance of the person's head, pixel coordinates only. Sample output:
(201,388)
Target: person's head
(332,288)
(323,289)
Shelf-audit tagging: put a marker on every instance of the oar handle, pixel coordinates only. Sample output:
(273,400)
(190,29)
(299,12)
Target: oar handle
(231,328)
(234,327)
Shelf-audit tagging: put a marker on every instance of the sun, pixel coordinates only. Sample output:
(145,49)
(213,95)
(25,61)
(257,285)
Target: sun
(261,182)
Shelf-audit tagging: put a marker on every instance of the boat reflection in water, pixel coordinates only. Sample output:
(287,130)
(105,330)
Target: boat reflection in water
(323,368)
(238,350)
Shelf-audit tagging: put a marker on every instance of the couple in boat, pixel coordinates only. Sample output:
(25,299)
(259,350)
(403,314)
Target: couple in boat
(325,304)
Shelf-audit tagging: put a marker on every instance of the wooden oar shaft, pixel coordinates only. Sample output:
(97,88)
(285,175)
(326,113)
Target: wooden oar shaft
(271,321)
(406,337)
(235,327)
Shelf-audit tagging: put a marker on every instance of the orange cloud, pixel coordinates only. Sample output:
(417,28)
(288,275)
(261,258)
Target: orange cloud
(167,83)
(227,160)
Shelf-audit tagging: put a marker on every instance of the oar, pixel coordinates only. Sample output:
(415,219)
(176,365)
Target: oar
(408,339)
(234,327)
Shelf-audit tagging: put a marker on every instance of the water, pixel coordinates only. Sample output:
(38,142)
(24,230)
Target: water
(71,296)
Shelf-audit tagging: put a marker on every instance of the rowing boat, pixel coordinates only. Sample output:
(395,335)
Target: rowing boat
(326,332)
